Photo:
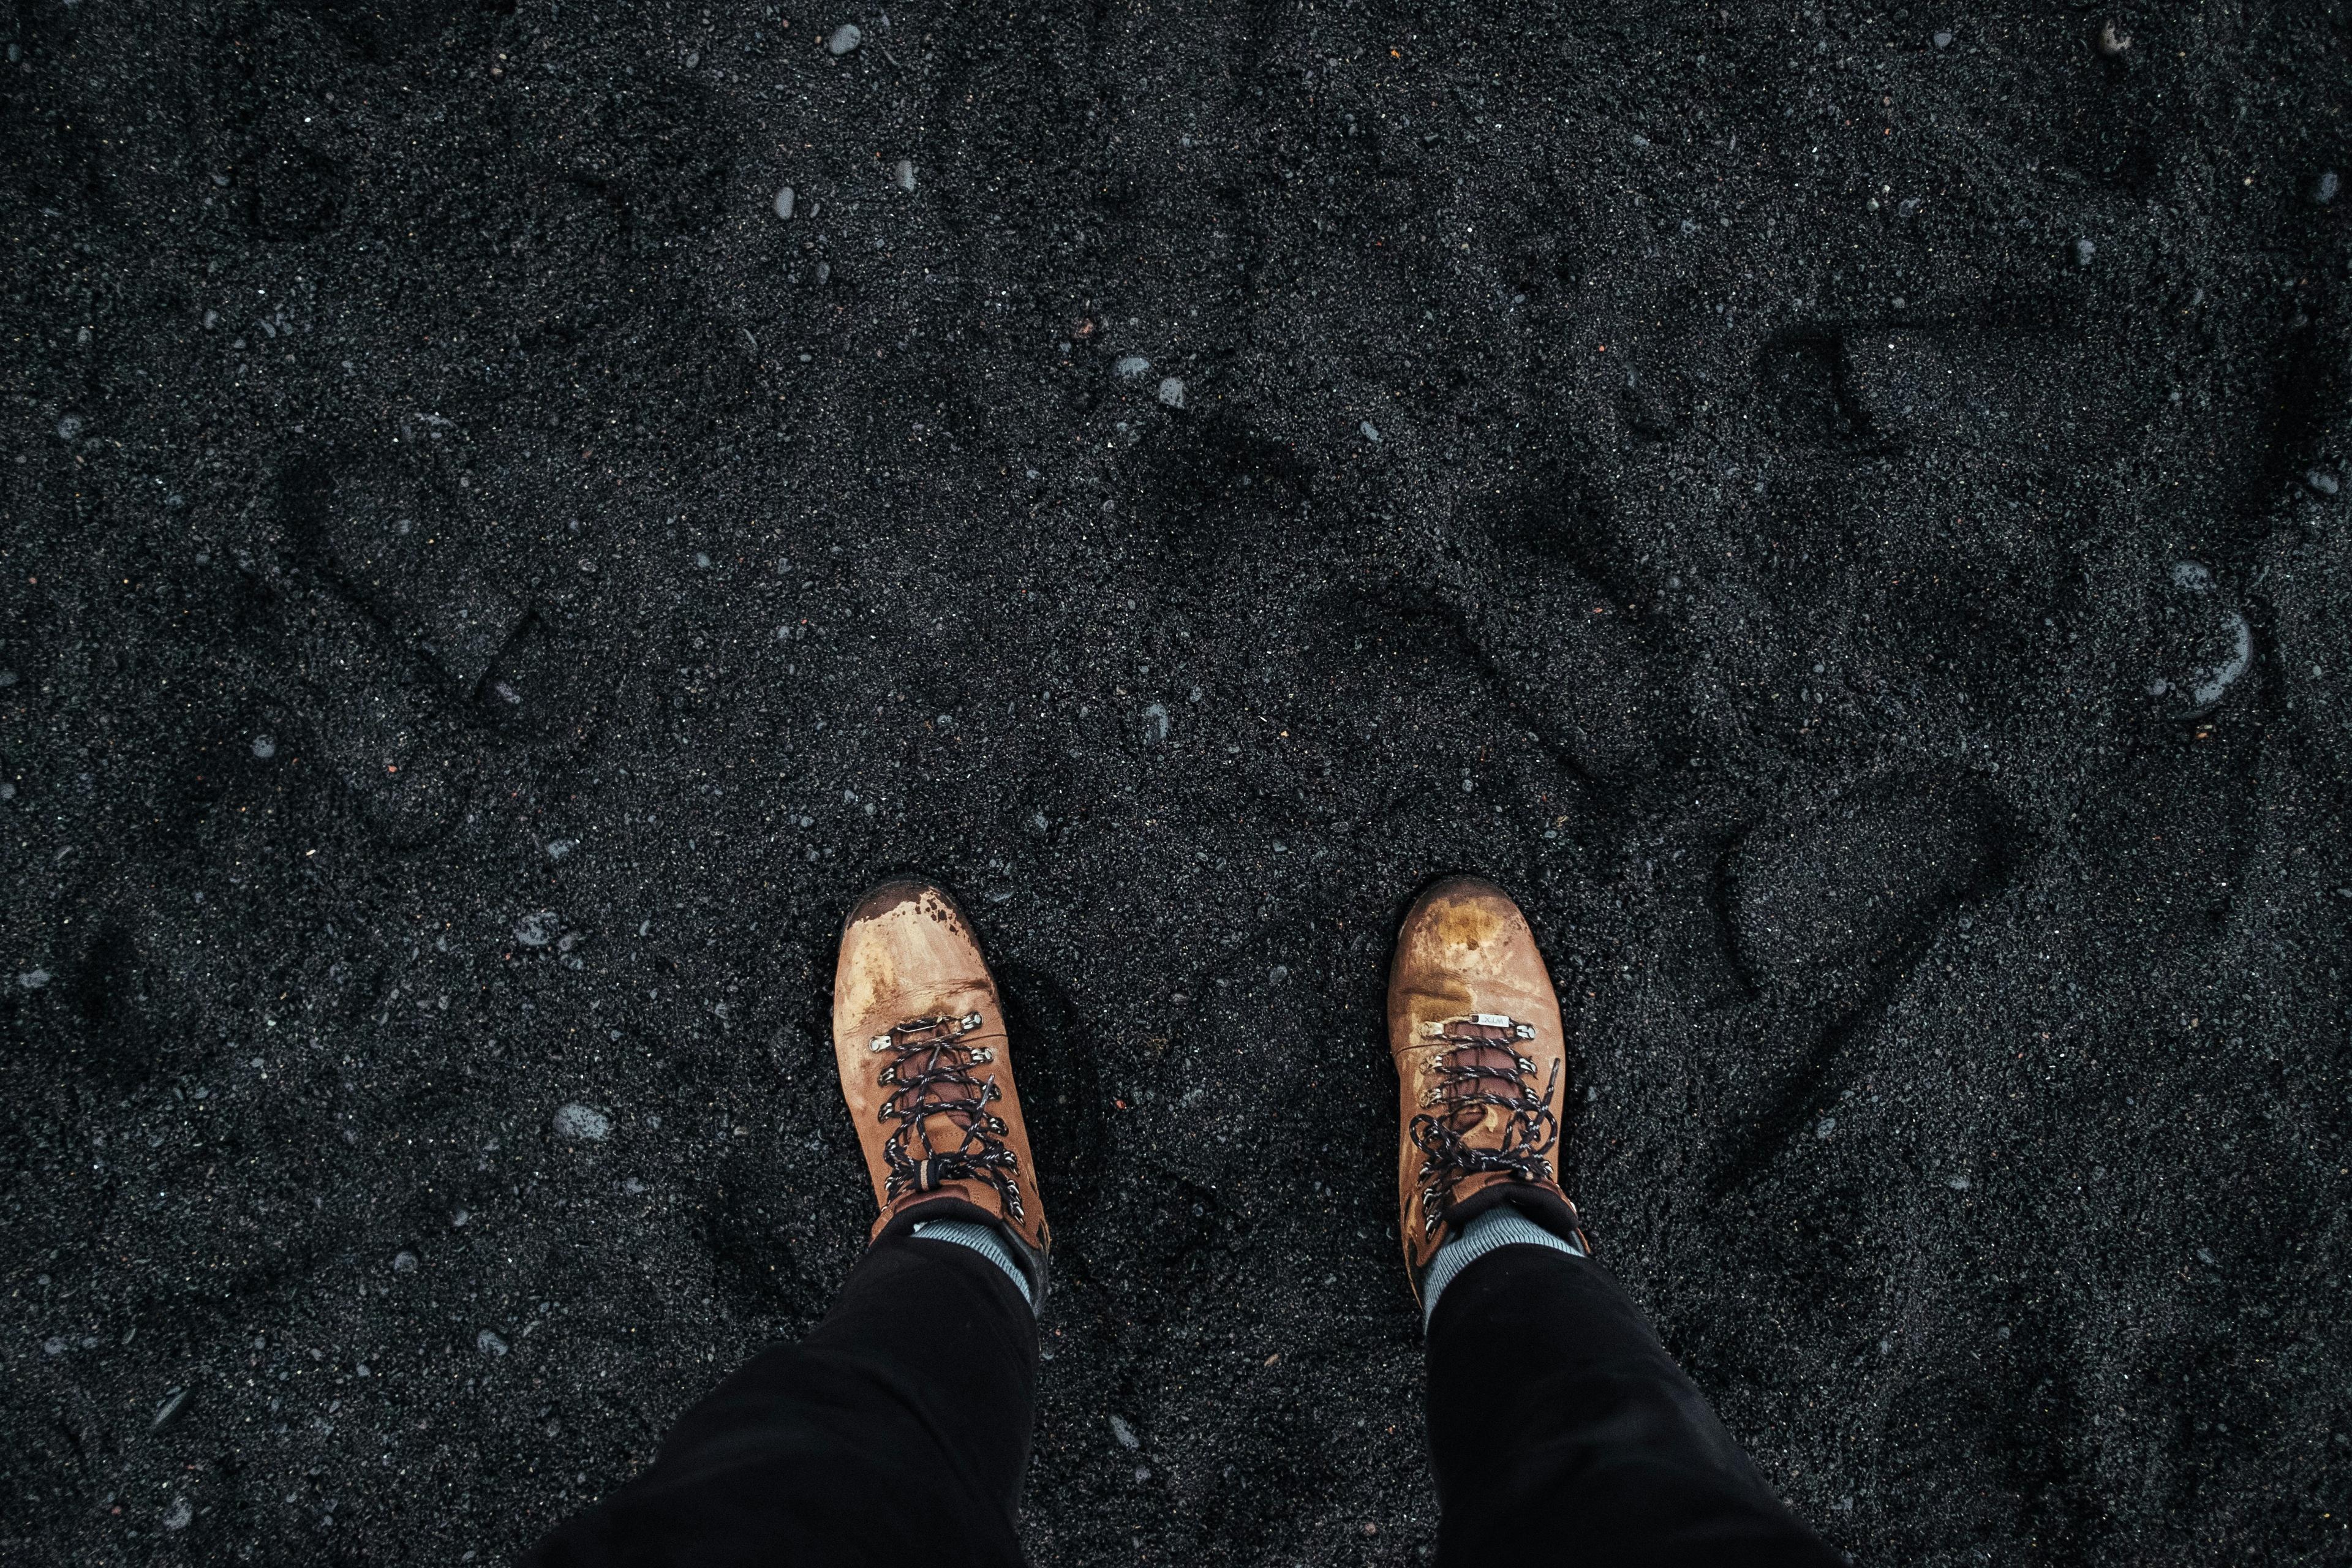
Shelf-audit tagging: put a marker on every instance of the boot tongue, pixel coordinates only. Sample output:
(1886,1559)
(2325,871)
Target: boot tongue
(1481,1058)
(1489,1121)
(949,1108)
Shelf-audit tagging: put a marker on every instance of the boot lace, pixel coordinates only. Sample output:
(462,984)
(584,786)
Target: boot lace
(1481,1067)
(929,1076)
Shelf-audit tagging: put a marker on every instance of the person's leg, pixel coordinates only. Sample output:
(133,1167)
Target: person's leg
(897,1432)
(1557,1424)
(1560,1429)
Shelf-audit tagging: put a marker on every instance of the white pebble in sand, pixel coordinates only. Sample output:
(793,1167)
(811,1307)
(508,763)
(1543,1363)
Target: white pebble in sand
(845,38)
(2210,644)
(1171,392)
(2207,685)
(784,202)
(489,1343)
(1131,367)
(538,928)
(582,1123)
(264,746)
(33,979)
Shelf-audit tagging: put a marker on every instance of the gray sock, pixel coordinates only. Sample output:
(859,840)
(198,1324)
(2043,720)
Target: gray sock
(1500,1226)
(982,1239)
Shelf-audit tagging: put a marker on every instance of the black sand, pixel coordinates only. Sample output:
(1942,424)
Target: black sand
(1845,524)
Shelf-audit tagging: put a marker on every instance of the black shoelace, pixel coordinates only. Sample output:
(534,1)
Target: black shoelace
(1481,1067)
(929,1075)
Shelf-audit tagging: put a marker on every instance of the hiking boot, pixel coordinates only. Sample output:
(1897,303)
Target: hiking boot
(918,1036)
(1481,1059)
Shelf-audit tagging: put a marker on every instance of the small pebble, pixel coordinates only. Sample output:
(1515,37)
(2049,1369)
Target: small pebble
(536,929)
(403,1263)
(1171,392)
(905,174)
(2113,40)
(489,1343)
(179,1515)
(1369,432)
(1155,723)
(557,849)
(582,1123)
(1131,367)
(1943,40)
(54,1345)
(169,1408)
(845,38)
(1277,975)
(1125,1434)
(2323,189)
(264,747)
(2084,251)
(33,979)
(2321,480)
(785,200)
(1828,1125)
(71,426)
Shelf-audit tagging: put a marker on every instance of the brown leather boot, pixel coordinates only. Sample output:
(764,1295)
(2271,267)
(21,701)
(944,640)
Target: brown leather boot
(1481,1059)
(918,1036)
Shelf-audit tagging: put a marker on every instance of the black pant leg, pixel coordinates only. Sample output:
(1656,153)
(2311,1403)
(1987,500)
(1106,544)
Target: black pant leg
(897,1432)
(1562,1432)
